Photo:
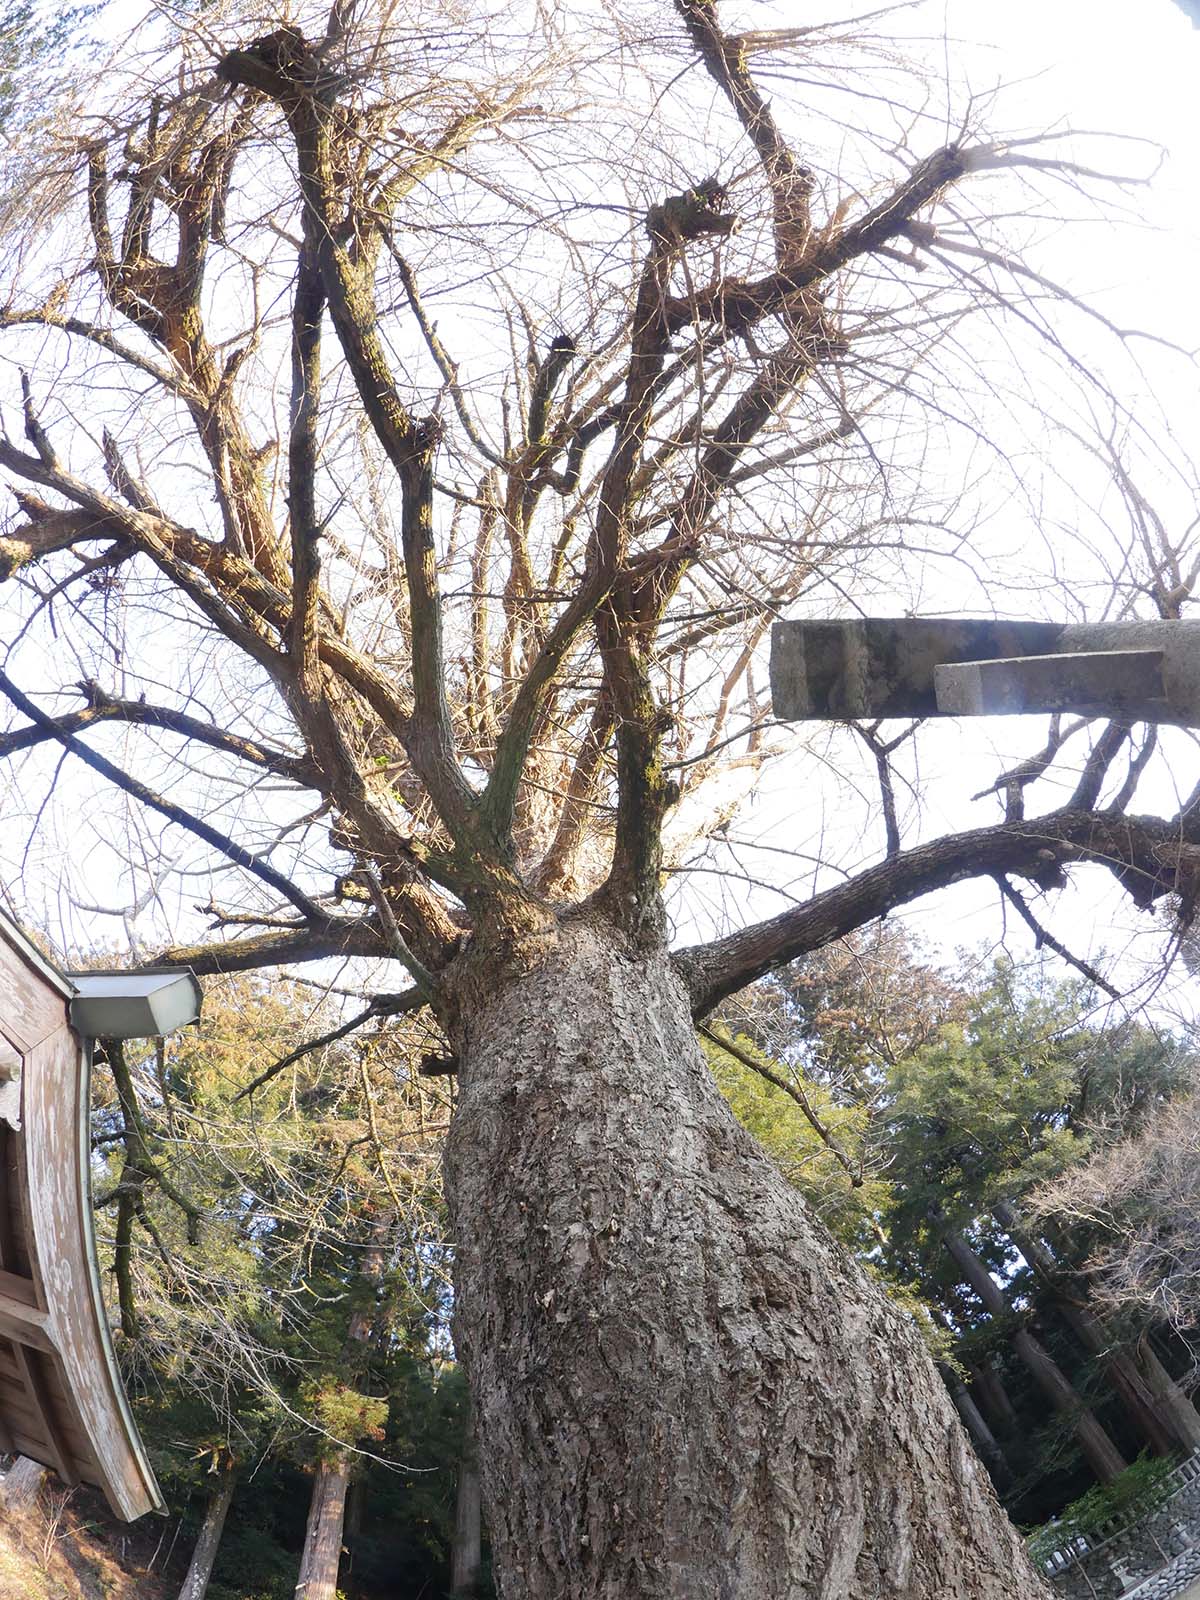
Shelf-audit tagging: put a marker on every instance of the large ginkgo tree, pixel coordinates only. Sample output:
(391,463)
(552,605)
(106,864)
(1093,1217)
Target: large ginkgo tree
(418,416)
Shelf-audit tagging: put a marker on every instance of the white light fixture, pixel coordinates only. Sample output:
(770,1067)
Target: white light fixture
(133,1005)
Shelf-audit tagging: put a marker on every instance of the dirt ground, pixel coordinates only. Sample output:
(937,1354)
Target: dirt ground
(66,1547)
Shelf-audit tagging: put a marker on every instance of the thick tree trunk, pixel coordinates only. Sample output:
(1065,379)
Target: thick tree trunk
(1100,1453)
(21,1483)
(467,1552)
(195,1585)
(684,1389)
(323,1535)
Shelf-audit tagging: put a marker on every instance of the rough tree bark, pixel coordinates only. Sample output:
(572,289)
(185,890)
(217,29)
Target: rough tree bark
(1101,1454)
(195,1585)
(638,1291)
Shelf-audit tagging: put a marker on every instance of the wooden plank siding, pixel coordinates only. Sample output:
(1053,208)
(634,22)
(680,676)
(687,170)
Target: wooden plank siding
(61,1399)
(20,1412)
(32,1004)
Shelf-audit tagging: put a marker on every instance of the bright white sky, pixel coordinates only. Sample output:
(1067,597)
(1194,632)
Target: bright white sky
(1121,66)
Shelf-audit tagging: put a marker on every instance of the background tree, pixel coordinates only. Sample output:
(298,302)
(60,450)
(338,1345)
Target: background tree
(529,371)
(40,47)
(936,1122)
(275,1288)
(1134,1204)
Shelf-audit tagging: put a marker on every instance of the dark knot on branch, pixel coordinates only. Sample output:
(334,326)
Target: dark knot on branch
(283,66)
(695,214)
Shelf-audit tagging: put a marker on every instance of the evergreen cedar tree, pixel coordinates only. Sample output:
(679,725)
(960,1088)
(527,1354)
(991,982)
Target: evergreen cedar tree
(473,625)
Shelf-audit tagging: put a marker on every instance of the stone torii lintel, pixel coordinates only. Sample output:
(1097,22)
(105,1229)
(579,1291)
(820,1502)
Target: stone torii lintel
(876,667)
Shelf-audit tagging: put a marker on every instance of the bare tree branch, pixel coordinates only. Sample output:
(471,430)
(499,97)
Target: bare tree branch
(1044,938)
(104,707)
(794,1092)
(336,936)
(1145,855)
(236,853)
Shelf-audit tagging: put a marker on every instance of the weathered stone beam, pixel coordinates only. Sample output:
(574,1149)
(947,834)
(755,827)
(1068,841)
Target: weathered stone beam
(885,666)
(1101,682)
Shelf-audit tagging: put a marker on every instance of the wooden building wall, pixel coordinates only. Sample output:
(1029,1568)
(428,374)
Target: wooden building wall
(61,1400)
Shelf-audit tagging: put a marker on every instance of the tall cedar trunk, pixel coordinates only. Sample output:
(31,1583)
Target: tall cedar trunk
(1101,1454)
(982,1437)
(1175,1405)
(993,1397)
(972,1417)
(684,1389)
(323,1535)
(1142,1368)
(467,1552)
(22,1482)
(356,1506)
(195,1585)
(1139,1402)
(327,1507)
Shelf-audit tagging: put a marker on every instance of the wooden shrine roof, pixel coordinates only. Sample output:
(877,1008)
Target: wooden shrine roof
(61,1398)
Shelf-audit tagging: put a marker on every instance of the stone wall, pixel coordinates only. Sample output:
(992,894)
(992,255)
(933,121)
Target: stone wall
(1172,1580)
(1119,1564)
